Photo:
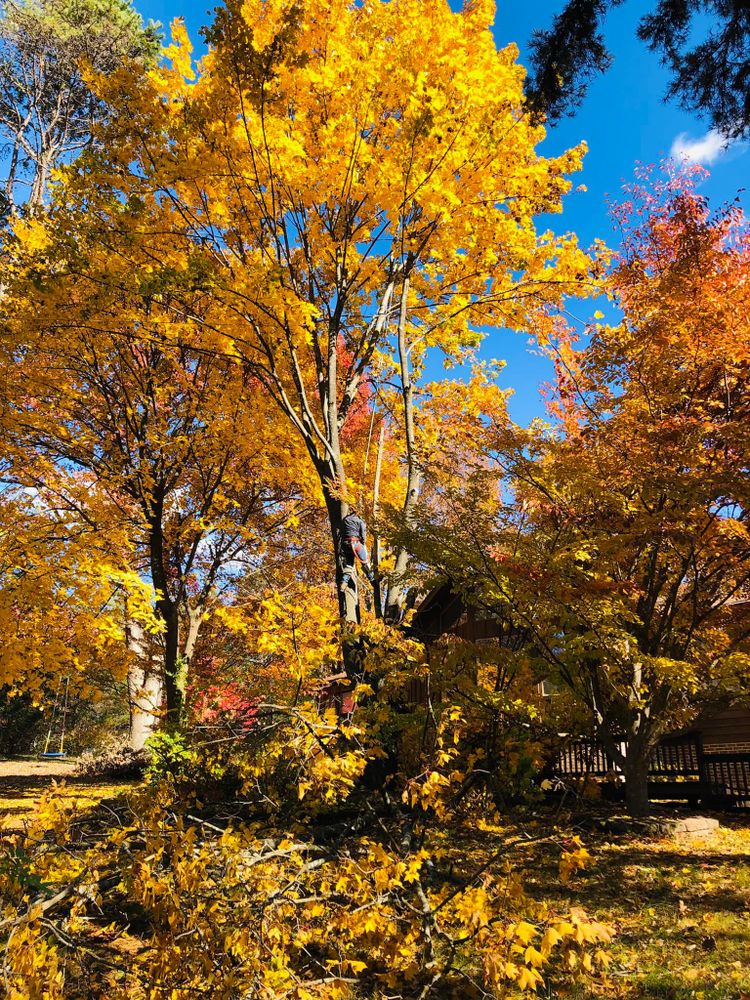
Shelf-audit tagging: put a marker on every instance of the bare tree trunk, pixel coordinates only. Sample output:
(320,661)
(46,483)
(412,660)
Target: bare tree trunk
(375,532)
(167,611)
(395,600)
(174,672)
(636,770)
(10,183)
(195,620)
(39,184)
(145,689)
(640,739)
(348,597)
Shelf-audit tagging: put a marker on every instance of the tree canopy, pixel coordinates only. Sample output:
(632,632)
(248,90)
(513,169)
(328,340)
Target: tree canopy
(47,109)
(324,220)
(704,45)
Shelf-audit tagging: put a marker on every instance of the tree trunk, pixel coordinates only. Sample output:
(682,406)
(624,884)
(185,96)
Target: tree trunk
(337,511)
(348,598)
(375,530)
(10,183)
(636,769)
(145,693)
(175,673)
(39,184)
(195,617)
(145,689)
(395,600)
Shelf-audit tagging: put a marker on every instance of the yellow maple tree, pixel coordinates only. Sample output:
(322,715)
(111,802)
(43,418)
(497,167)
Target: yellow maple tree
(349,187)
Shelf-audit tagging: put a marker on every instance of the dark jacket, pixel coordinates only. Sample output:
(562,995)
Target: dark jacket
(353,527)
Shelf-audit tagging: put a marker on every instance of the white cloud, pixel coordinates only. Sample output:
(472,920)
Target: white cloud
(705,150)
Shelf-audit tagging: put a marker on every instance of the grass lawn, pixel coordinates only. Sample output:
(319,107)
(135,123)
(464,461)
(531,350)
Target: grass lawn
(680,909)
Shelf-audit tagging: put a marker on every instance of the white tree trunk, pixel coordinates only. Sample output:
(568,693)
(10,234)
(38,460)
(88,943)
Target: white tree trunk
(145,689)
(396,595)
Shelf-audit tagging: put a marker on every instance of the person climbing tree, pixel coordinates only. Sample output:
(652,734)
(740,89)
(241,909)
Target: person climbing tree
(353,538)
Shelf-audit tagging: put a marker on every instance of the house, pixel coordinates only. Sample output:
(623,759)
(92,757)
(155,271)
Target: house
(444,612)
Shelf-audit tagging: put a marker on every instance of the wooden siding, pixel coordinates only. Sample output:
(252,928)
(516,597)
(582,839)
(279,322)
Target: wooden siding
(725,731)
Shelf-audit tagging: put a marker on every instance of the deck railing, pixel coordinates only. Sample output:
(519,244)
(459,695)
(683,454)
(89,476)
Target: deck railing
(680,767)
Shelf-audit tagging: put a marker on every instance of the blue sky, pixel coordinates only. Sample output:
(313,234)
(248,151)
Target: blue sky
(624,120)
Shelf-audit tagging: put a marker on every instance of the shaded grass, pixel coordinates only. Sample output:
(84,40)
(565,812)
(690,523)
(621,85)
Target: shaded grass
(680,910)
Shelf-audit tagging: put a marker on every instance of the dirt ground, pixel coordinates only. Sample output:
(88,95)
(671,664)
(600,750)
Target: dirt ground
(32,769)
(23,780)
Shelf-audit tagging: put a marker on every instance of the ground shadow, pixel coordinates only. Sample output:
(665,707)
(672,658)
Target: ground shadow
(24,780)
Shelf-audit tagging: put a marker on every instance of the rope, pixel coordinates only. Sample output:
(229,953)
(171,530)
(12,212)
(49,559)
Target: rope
(54,713)
(367,455)
(64,716)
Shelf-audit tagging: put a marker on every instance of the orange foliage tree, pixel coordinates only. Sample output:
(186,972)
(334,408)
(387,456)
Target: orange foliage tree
(617,545)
